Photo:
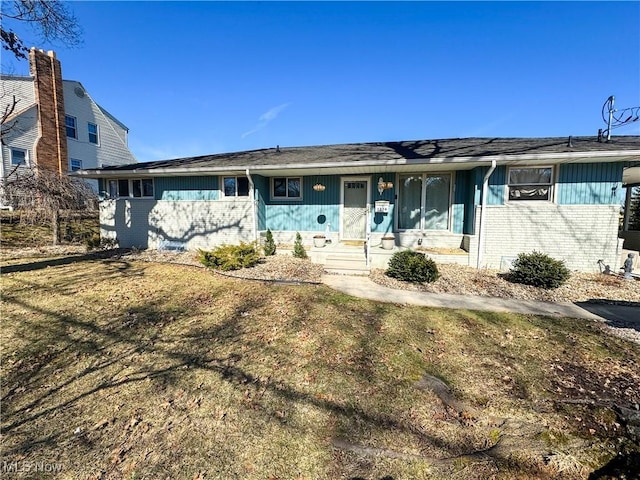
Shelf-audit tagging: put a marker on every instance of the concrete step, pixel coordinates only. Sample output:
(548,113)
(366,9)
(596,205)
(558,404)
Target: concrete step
(346,265)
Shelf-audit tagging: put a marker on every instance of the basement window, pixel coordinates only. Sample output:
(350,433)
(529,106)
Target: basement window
(70,125)
(530,183)
(286,188)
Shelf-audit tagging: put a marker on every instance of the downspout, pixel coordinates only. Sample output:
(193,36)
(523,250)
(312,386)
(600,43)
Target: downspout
(253,206)
(485,186)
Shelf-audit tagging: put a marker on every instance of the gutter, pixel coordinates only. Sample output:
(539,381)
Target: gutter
(253,206)
(485,186)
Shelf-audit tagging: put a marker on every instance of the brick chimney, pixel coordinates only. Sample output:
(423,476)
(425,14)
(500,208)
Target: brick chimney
(51,147)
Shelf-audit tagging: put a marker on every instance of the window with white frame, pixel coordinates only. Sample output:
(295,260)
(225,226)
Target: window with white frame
(71,126)
(286,188)
(235,186)
(75,164)
(93,132)
(18,156)
(137,188)
(530,183)
(424,201)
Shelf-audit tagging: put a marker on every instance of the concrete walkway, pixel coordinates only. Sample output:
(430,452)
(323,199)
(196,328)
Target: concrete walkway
(363,287)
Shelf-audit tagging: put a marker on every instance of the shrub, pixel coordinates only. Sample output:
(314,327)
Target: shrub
(298,248)
(230,257)
(412,266)
(539,269)
(93,241)
(269,246)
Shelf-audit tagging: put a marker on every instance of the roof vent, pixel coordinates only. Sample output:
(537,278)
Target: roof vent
(79,91)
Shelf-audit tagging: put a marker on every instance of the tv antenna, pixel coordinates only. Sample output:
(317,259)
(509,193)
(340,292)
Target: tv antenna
(616,118)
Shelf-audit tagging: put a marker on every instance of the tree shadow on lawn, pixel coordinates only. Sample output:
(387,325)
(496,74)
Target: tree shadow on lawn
(56,262)
(145,329)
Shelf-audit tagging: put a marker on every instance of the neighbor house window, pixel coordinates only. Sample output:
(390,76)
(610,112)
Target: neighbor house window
(75,164)
(18,156)
(137,188)
(530,183)
(70,124)
(424,201)
(235,186)
(287,188)
(93,132)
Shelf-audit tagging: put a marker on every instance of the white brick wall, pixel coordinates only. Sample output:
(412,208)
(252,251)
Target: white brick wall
(578,234)
(198,224)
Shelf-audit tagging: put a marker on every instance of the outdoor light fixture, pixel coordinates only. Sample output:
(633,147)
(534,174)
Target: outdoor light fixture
(318,187)
(382,185)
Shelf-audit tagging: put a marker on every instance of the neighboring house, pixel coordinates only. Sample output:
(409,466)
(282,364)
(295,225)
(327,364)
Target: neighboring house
(488,198)
(54,124)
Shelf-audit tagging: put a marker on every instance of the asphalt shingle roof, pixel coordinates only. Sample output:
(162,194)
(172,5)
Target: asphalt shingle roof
(394,151)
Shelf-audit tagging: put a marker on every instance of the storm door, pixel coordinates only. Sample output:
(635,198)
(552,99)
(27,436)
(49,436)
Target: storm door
(355,208)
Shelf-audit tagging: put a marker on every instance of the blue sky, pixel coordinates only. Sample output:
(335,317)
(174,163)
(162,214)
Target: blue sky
(192,78)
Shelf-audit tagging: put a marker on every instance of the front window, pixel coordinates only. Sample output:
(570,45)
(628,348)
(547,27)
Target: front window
(529,183)
(70,124)
(75,164)
(137,188)
(142,187)
(424,201)
(287,188)
(18,156)
(235,186)
(93,132)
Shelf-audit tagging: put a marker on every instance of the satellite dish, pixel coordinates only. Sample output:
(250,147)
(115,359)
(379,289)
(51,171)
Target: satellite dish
(79,91)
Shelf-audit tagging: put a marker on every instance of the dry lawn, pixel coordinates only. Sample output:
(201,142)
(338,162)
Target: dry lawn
(122,369)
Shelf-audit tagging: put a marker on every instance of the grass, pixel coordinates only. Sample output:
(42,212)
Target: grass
(134,370)
(75,227)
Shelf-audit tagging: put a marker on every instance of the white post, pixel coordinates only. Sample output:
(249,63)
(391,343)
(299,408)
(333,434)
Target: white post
(485,185)
(252,197)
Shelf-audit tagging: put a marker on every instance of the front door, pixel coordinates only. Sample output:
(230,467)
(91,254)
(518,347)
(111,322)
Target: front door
(355,208)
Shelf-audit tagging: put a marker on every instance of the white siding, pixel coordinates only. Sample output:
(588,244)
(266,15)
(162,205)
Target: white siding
(21,87)
(578,234)
(111,149)
(145,223)
(22,133)
(22,129)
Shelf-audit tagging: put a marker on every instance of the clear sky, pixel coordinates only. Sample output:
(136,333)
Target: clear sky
(192,78)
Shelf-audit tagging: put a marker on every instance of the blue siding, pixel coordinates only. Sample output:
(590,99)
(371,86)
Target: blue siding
(590,184)
(462,208)
(497,182)
(261,185)
(312,213)
(383,222)
(187,188)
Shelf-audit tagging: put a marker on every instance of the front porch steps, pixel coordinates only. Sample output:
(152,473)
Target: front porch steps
(346,265)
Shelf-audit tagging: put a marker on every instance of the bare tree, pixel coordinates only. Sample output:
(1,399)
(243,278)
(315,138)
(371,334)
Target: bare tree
(42,195)
(9,102)
(51,18)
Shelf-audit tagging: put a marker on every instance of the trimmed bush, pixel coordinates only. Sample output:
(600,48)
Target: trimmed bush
(540,270)
(230,257)
(269,247)
(412,266)
(298,248)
